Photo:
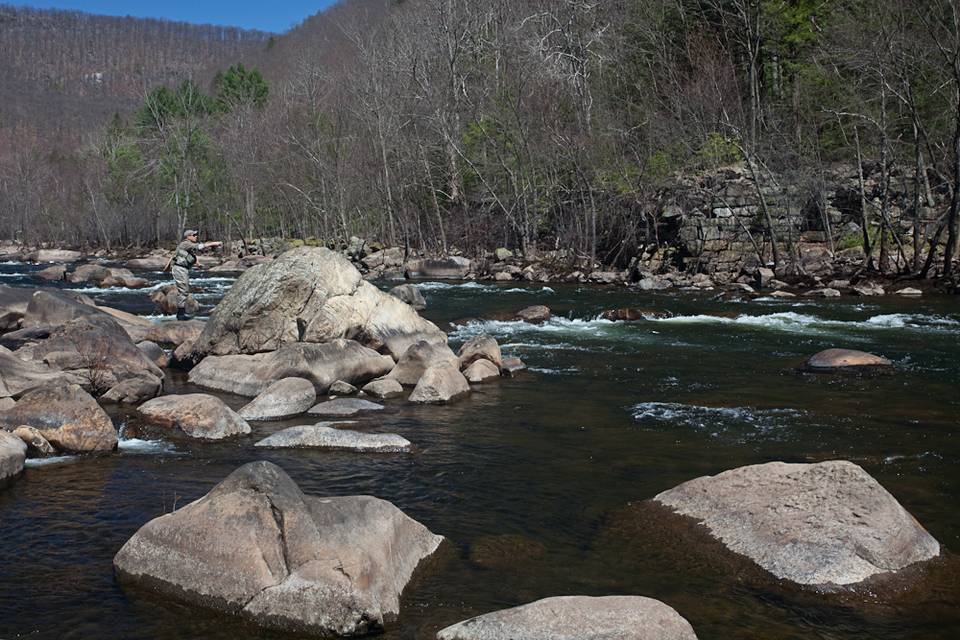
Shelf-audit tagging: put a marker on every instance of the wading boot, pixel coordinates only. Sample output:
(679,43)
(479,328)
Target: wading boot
(182,314)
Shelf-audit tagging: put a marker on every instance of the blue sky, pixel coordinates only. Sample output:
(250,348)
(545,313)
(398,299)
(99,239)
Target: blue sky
(268,16)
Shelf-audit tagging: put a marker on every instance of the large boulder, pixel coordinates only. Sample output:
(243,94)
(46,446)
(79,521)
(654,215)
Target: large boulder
(54,308)
(480,371)
(846,359)
(577,618)
(13,451)
(311,295)
(257,547)
(418,358)
(134,389)
(828,523)
(53,273)
(440,383)
(481,347)
(324,436)
(54,255)
(410,294)
(66,416)
(284,398)
(18,376)
(383,388)
(321,364)
(452,268)
(196,414)
(13,306)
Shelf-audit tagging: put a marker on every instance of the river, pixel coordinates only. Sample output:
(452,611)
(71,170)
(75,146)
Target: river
(529,477)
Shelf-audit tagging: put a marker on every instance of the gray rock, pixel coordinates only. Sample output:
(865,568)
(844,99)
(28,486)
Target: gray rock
(503,254)
(284,398)
(537,314)
(322,364)
(37,445)
(149,263)
(814,524)
(909,291)
(764,277)
(868,289)
(341,388)
(13,306)
(309,295)
(165,301)
(480,347)
(257,547)
(577,618)
(154,352)
(452,268)
(654,283)
(66,416)
(54,255)
(480,371)
(824,292)
(54,273)
(53,308)
(13,452)
(845,359)
(7,403)
(383,388)
(439,384)
(195,414)
(513,364)
(411,295)
(134,389)
(418,358)
(18,376)
(344,407)
(324,436)
(174,332)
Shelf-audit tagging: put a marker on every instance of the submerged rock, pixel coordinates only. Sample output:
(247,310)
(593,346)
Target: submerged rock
(325,436)
(195,414)
(284,398)
(310,295)
(13,452)
(344,407)
(577,618)
(440,383)
(256,546)
(321,364)
(66,416)
(846,359)
(828,523)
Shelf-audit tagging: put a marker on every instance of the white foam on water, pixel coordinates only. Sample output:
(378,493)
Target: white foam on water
(792,321)
(12,262)
(16,275)
(442,286)
(552,327)
(141,290)
(702,417)
(554,372)
(913,321)
(45,462)
(138,446)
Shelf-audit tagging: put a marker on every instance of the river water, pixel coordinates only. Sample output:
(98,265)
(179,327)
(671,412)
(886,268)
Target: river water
(531,478)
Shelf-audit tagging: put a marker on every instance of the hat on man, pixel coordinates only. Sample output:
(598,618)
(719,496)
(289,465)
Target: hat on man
(190,232)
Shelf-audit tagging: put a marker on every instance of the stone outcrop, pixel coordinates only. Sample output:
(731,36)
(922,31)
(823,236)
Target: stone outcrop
(577,618)
(310,295)
(257,547)
(825,524)
(321,364)
(13,451)
(325,436)
(440,383)
(452,268)
(195,414)
(845,359)
(66,416)
(284,398)
(344,407)
(418,358)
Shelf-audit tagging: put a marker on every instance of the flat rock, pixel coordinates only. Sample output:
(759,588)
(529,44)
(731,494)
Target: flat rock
(418,358)
(577,618)
(309,295)
(257,547)
(828,523)
(283,399)
(344,407)
(480,371)
(13,451)
(324,436)
(537,314)
(383,388)
(196,414)
(481,347)
(54,255)
(845,359)
(440,383)
(66,416)
(322,364)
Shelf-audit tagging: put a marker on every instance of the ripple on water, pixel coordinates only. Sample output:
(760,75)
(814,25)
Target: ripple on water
(717,419)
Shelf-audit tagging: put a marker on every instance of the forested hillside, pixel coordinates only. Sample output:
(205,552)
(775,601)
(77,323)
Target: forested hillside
(581,125)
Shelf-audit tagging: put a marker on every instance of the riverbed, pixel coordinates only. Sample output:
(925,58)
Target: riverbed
(529,476)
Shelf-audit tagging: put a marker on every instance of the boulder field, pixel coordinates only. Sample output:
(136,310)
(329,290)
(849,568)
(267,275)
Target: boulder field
(258,547)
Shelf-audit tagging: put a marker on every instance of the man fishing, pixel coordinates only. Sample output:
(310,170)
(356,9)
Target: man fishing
(183,259)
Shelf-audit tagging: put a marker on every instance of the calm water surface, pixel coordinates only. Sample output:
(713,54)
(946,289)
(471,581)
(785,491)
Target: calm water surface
(530,478)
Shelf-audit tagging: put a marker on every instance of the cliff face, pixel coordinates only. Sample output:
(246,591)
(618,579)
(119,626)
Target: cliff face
(721,223)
